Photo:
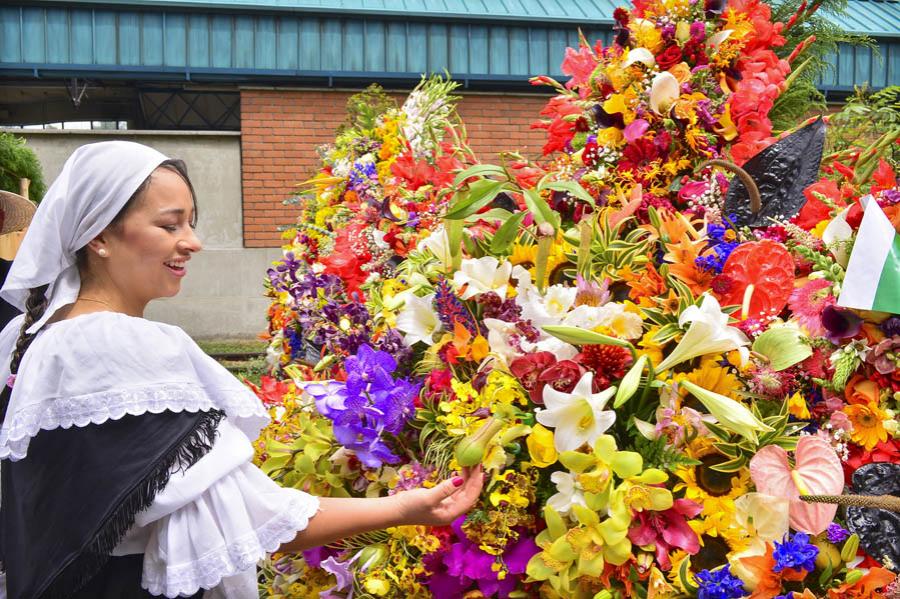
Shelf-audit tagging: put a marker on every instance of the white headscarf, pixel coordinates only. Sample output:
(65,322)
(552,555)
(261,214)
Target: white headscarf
(95,184)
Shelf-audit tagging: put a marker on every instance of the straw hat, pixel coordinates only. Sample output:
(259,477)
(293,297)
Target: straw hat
(17,212)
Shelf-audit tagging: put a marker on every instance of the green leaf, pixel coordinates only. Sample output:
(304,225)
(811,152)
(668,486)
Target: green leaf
(731,465)
(454,230)
(540,209)
(492,214)
(507,233)
(577,336)
(782,346)
(480,194)
(573,188)
(479,170)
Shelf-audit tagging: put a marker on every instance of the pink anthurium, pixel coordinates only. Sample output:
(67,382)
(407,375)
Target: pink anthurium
(817,471)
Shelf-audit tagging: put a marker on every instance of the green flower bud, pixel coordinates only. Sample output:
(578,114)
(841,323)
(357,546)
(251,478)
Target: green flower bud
(470,451)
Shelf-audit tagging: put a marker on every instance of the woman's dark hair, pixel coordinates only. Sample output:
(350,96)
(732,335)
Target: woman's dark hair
(35,306)
(36,303)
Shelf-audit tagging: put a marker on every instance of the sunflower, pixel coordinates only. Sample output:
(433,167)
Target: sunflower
(710,375)
(714,490)
(526,256)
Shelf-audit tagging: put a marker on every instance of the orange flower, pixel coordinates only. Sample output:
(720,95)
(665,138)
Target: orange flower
(866,587)
(759,569)
(683,255)
(860,390)
(646,283)
(868,426)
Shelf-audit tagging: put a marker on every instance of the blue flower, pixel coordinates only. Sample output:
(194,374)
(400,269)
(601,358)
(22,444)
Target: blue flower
(719,584)
(796,553)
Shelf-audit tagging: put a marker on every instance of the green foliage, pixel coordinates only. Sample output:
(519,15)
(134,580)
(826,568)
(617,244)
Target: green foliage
(659,454)
(802,96)
(18,161)
(864,119)
(364,108)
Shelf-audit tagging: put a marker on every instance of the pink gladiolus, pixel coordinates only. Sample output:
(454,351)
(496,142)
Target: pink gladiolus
(817,471)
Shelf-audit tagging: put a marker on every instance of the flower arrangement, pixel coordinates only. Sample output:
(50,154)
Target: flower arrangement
(670,387)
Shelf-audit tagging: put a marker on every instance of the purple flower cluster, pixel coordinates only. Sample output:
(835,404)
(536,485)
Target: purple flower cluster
(368,405)
(464,564)
(721,249)
(450,308)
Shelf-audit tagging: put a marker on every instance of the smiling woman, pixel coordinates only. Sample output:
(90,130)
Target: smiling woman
(126,450)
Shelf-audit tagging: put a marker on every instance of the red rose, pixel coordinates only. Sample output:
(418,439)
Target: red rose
(669,57)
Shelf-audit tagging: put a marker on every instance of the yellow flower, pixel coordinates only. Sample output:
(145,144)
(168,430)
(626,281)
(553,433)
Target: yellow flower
(526,255)
(715,491)
(797,407)
(868,426)
(540,446)
(650,348)
(377,585)
(711,377)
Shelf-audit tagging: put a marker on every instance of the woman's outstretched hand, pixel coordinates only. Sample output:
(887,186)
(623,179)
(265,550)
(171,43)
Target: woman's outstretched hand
(342,517)
(443,503)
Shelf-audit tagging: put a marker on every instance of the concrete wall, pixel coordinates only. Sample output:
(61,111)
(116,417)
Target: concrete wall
(222,296)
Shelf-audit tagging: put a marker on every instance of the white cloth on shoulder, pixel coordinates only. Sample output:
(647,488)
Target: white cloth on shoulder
(212,523)
(104,365)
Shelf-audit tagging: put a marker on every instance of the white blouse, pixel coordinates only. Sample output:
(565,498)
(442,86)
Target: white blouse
(212,523)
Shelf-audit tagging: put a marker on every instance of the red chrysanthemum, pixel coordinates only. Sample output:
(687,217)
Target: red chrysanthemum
(608,363)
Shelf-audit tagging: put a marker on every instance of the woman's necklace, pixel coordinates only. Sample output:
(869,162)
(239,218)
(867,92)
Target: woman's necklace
(90,299)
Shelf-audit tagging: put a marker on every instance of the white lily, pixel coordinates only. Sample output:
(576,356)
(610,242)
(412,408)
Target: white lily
(642,55)
(664,90)
(578,417)
(569,492)
(481,275)
(439,245)
(418,320)
(709,333)
(731,414)
(558,299)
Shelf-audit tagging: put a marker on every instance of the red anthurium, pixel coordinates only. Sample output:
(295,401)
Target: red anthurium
(817,471)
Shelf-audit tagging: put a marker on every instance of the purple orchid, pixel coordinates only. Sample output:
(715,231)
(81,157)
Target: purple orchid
(840,324)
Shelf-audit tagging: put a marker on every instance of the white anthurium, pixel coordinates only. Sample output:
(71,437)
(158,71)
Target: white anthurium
(709,333)
(719,37)
(578,417)
(438,244)
(418,319)
(664,91)
(642,55)
(480,275)
(568,492)
(836,235)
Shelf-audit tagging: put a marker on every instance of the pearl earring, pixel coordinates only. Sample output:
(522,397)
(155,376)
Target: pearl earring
(103,253)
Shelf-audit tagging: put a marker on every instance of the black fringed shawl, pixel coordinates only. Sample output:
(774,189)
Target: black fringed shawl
(71,500)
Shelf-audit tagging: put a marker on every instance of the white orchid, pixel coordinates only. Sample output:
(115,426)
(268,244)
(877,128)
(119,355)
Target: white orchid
(664,90)
(578,417)
(569,492)
(709,333)
(418,320)
(480,275)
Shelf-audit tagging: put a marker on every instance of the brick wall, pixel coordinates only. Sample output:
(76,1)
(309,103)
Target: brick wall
(280,131)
